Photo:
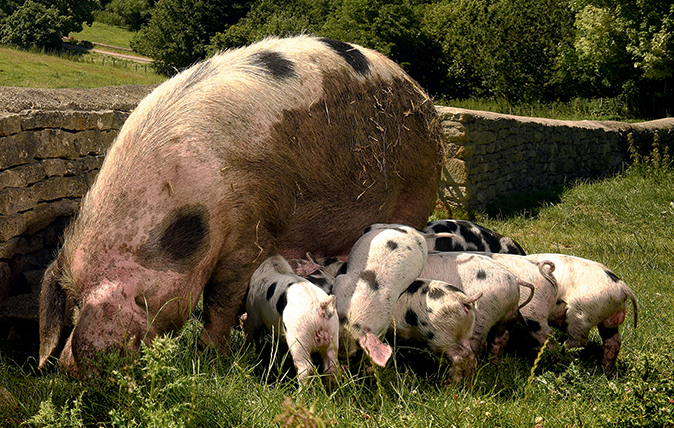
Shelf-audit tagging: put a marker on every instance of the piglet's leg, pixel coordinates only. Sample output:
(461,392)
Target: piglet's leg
(301,357)
(611,340)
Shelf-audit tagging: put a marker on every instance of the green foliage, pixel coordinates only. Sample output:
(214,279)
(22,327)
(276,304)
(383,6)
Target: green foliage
(42,23)
(34,25)
(179,31)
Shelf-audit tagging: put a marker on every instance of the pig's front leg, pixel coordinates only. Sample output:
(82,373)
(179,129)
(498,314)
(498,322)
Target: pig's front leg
(301,356)
(224,296)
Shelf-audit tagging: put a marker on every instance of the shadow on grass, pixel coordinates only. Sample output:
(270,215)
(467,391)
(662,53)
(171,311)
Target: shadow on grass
(527,204)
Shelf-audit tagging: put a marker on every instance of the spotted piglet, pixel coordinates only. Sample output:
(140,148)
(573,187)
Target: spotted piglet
(305,314)
(383,263)
(497,310)
(462,235)
(538,273)
(588,295)
(442,317)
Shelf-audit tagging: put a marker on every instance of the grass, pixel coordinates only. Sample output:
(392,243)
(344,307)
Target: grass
(38,70)
(576,109)
(105,34)
(625,222)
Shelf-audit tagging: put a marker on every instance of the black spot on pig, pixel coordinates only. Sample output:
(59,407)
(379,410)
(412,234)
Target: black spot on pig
(414,287)
(391,245)
(430,335)
(481,274)
(448,244)
(436,293)
(370,277)
(611,275)
(471,238)
(451,288)
(411,318)
(351,55)
(342,270)
(275,64)
(342,319)
(271,290)
(532,325)
(178,242)
(448,227)
(282,302)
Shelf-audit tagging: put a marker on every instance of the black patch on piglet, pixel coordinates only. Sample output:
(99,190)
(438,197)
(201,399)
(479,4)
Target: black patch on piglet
(411,318)
(271,290)
(370,277)
(414,287)
(611,275)
(282,302)
(436,293)
(391,245)
(353,56)
(532,325)
(178,242)
(448,244)
(481,274)
(275,64)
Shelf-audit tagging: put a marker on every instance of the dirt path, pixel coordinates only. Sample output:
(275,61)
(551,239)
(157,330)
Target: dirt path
(100,49)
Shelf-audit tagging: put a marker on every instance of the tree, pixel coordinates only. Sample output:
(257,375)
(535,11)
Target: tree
(42,23)
(34,25)
(179,31)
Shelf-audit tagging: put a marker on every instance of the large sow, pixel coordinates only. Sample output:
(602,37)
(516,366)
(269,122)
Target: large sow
(288,145)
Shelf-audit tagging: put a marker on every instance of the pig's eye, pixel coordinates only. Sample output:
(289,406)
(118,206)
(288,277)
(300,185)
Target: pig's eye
(141,301)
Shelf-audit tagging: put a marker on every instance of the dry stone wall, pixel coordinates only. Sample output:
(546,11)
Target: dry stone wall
(52,144)
(488,154)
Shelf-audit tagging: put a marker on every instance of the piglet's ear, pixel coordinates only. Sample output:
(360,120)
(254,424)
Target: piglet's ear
(328,307)
(375,349)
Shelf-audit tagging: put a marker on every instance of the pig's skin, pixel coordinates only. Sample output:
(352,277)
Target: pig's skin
(382,264)
(538,273)
(462,235)
(305,315)
(442,317)
(498,308)
(588,295)
(230,161)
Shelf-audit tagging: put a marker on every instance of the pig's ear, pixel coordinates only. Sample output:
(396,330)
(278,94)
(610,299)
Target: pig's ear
(52,312)
(303,267)
(375,349)
(328,307)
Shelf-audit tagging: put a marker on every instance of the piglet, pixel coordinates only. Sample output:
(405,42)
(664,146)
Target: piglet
(462,235)
(383,262)
(538,273)
(305,314)
(497,310)
(588,295)
(442,317)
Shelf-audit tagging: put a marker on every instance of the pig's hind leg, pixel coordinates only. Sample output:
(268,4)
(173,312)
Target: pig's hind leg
(611,344)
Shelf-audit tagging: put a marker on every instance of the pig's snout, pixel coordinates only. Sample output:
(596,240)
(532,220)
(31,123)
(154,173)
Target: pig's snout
(108,321)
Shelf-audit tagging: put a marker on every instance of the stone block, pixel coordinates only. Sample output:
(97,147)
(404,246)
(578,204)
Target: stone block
(20,245)
(455,172)
(64,167)
(61,187)
(95,142)
(56,143)
(17,149)
(11,226)
(22,176)
(14,200)
(10,123)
